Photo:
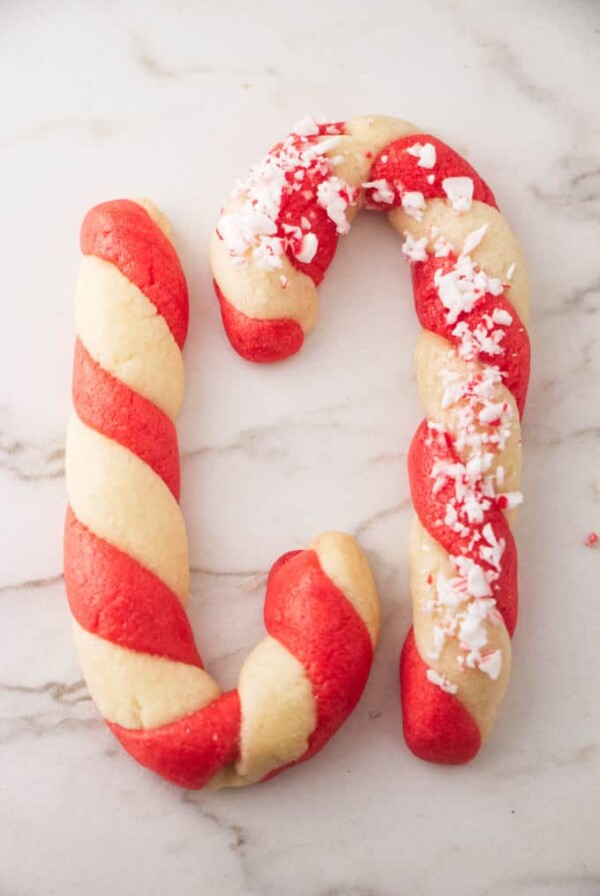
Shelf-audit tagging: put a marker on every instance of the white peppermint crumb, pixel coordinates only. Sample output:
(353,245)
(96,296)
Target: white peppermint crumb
(306,127)
(414,250)
(441,682)
(513,499)
(413,204)
(382,191)
(284,281)
(491,664)
(459,191)
(511,270)
(431,178)
(442,247)
(308,248)
(473,239)
(330,197)
(502,317)
(439,637)
(425,153)
(321,147)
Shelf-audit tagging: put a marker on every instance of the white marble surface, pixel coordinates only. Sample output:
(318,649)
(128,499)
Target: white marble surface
(174,100)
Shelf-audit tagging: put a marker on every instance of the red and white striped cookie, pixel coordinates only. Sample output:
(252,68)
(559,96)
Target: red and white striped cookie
(126,554)
(269,252)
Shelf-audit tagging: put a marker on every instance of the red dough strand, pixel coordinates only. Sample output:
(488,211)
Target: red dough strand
(111,595)
(110,407)
(191,750)
(261,341)
(436,725)
(123,233)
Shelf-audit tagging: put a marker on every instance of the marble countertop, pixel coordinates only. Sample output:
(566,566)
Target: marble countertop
(174,101)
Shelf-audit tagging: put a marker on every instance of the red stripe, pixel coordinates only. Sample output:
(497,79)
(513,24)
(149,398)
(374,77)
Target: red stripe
(310,616)
(123,233)
(404,174)
(191,750)
(110,407)
(424,450)
(436,725)
(113,596)
(303,204)
(514,359)
(262,341)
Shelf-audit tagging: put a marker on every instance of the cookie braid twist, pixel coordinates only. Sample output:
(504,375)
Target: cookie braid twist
(126,554)
(271,249)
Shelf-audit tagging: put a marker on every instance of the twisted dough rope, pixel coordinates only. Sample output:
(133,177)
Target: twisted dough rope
(126,555)
(271,249)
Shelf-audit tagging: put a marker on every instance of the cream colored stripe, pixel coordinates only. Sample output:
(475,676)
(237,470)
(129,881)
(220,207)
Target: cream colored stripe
(496,253)
(343,562)
(125,334)
(259,293)
(278,714)
(121,499)
(481,696)
(137,690)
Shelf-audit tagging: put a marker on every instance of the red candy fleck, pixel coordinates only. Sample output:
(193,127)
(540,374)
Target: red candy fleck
(592,540)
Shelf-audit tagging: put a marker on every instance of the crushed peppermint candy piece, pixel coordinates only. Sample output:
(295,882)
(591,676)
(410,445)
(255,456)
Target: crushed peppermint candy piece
(284,281)
(306,127)
(472,633)
(413,204)
(414,250)
(509,500)
(478,584)
(473,239)
(321,147)
(502,317)
(439,638)
(493,550)
(307,249)
(441,682)
(425,153)
(381,190)
(511,270)
(335,195)
(459,191)
(462,286)
(592,540)
(442,247)
(491,664)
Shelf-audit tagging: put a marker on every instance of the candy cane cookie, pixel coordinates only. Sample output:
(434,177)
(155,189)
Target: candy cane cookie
(270,250)
(126,554)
